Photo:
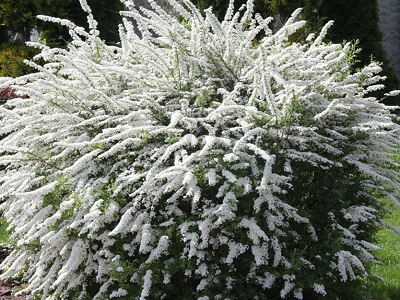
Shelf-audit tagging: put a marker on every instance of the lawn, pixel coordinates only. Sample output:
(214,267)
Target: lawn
(389,287)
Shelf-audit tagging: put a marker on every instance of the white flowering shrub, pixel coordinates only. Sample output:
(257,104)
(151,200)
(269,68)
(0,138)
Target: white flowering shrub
(195,160)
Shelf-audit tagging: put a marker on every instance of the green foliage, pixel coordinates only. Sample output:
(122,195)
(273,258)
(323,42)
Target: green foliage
(106,12)
(288,6)
(12,58)
(56,197)
(19,15)
(3,34)
(4,234)
(311,11)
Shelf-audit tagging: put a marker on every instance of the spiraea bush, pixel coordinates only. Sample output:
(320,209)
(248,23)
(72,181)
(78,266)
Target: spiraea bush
(198,159)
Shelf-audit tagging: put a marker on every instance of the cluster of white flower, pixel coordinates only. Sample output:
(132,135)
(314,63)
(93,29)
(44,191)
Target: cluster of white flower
(175,152)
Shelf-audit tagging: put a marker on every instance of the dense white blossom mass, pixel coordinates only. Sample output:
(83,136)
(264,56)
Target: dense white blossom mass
(175,156)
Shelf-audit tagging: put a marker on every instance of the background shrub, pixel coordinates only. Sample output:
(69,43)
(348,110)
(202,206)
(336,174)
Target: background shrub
(12,58)
(193,162)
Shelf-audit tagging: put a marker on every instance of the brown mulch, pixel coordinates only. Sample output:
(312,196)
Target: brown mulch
(7,289)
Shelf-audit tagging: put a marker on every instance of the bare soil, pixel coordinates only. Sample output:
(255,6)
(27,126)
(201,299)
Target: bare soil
(7,289)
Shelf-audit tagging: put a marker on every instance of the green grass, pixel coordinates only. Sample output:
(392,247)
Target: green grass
(389,287)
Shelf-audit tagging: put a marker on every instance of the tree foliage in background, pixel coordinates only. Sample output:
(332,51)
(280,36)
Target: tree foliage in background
(12,56)
(4,38)
(191,163)
(20,17)
(105,11)
(310,12)
(17,17)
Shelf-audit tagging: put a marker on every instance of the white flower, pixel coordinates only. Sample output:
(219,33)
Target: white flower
(119,293)
(320,289)
(146,285)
